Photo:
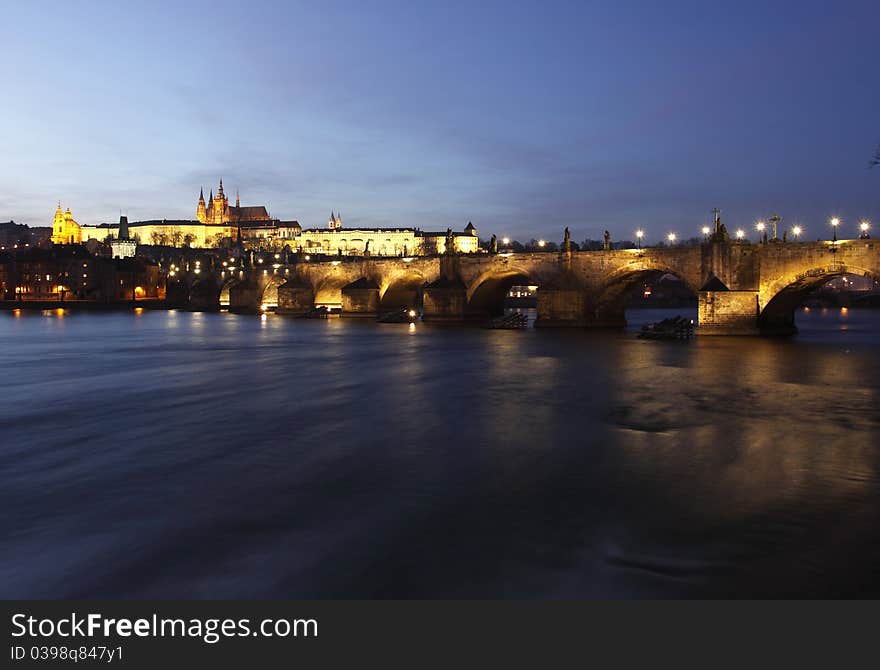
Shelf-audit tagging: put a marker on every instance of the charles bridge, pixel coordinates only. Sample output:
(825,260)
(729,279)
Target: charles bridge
(742,288)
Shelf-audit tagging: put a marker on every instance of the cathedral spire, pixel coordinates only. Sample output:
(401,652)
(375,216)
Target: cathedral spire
(201,211)
(220,190)
(237,204)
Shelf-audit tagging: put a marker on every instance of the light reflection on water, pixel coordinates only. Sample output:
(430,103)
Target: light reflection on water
(213,455)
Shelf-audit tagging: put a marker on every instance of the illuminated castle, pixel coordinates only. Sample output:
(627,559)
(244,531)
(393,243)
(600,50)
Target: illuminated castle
(64,229)
(218,211)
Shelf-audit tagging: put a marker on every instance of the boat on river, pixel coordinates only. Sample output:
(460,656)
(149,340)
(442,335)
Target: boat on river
(674,328)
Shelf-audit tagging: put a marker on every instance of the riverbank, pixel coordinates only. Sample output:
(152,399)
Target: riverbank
(84,305)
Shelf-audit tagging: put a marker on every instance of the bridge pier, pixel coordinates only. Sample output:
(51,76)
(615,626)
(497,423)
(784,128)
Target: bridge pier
(360,299)
(245,297)
(176,294)
(295,297)
(204,296)
(560,308)
(728,313)
(444,300)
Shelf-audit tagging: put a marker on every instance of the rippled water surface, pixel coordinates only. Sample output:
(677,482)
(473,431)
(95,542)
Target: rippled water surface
(174,454)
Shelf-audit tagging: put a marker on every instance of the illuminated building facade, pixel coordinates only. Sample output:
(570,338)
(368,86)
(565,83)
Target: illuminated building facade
(218,211)
(336,239)
(64,229)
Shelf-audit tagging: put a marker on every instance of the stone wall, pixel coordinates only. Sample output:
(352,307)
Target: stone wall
(728,313)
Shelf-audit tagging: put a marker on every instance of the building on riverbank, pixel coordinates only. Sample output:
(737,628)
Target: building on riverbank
(70,273)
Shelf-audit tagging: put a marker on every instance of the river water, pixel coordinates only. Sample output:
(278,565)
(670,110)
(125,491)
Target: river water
(189,455)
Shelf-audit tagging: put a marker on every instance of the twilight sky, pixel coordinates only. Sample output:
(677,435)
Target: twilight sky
(523,117)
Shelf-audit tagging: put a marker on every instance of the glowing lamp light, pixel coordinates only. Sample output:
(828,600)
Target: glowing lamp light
(835,221)
(796,231)
(542,243)
(412,313)
(505,240)
(705,230)
(740,234)
(640,234)
(864,226)
(761,226)
(671,237)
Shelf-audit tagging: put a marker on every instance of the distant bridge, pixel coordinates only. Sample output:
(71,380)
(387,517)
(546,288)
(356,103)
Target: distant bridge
(742,288)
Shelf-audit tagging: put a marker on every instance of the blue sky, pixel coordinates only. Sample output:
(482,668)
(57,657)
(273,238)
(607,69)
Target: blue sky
(523,117)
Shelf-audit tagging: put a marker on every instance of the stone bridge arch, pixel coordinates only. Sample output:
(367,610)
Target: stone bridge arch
(225,289)
(269,294)
(789,273)
(487,292)
(401,289)
(606,304)
(779,300)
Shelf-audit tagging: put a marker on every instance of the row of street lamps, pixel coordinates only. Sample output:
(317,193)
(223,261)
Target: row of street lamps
(760,226)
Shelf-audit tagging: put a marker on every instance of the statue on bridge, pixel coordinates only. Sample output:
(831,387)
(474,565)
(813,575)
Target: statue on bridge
(450,242)
(607,241)
(720,234)
(566,241)
(493,245)
(367,248)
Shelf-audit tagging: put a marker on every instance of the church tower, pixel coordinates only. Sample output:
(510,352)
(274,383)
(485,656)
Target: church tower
(201,211)
(64,229)
(218,207)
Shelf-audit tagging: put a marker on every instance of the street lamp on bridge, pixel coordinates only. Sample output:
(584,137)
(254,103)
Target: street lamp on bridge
(740,234)
(706,230)
(834,223)
(639,235)
(865,227)
(671,238)
(796,231)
